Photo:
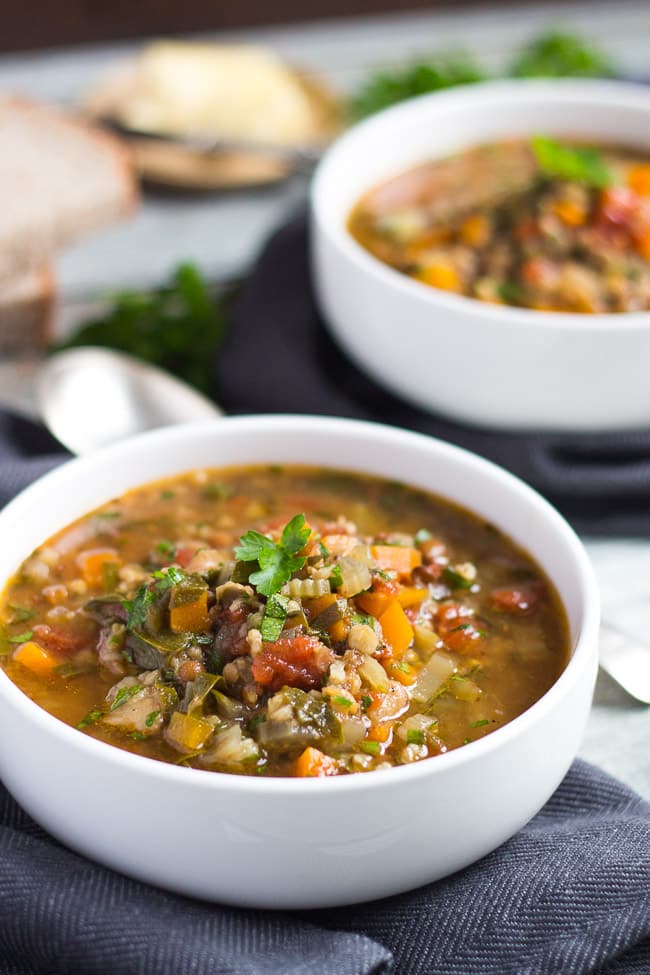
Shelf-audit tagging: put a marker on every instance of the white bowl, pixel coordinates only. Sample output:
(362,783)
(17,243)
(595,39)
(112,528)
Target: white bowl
(298,843)
(485,364)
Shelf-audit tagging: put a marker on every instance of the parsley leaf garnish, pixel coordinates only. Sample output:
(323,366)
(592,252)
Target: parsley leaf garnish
(577,163)
(277,562)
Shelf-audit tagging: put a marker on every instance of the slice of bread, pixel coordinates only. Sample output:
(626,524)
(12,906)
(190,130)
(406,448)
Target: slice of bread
(59,178)
(27,308)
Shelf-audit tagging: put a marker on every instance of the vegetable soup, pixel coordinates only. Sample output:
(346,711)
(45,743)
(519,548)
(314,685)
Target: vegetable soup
(532,223)
(282,621)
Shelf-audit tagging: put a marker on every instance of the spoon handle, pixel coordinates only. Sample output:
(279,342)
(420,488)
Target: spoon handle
(626,660)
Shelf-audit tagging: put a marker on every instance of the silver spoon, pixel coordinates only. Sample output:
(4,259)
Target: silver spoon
(89,397)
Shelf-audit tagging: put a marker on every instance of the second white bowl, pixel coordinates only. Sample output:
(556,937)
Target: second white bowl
(484,364)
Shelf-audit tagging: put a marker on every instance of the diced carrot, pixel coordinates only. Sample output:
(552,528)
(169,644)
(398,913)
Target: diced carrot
(191,617)
(374,603)
(315,764)
(643,244)
(442,276)
(400,671)
(411,596)
(475,230)
(40,661)
(91,563)
(381,732)
(570,213)
(396,558)
(638,179)
(339,630)
(396,629)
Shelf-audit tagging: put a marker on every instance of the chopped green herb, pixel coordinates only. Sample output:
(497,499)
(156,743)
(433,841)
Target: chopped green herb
(22,637)
(414,737)
(137,736)
(511,292)
(110,576)
(72,669)
(366,702)
(344,702)
(336,577)
(166,548)
(454,579)
(461,626)
(422,536)
(108,514)
(167,495)
(125,694)
(275,613)
(255,722)
(466,741)
(323,550)
(479,724)
(91,718)
(581,163)
(261,769)
(404,667)
(218,492)
(361,618)
(371,747)
(20,614)
(138,607)
(151,717)
(277,562)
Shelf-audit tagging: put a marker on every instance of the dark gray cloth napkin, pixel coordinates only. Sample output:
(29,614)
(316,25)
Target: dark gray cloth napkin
(278,357)
(567,896)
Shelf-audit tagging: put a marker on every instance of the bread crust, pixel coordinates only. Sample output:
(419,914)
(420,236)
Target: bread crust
(33,240)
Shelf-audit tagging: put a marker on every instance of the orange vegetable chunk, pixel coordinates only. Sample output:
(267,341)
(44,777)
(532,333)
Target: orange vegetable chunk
(190,617)
(411,596)
(396,558)
(91,563)
(33,656)
(395,627)
(314,763)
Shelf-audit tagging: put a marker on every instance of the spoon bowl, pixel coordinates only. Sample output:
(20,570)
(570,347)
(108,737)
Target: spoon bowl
(90,397)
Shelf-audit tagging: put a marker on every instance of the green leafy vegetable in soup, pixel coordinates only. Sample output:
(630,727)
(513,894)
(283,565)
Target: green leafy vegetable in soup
(293,623)
(540,223)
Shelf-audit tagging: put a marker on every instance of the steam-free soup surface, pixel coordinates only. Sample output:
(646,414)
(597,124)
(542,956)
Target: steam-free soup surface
(538,223)
(269,621)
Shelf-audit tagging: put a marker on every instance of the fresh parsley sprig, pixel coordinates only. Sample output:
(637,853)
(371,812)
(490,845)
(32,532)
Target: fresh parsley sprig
(277,561)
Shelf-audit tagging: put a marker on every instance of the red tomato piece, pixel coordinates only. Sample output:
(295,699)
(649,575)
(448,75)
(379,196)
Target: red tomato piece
(299,661)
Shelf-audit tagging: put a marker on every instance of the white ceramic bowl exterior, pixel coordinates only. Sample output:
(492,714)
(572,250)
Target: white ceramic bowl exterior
(485,364)
(293,842)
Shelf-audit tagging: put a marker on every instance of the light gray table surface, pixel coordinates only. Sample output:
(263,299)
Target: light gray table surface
(222,234)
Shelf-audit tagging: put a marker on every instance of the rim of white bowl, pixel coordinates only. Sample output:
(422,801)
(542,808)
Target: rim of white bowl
(614,94)
(72,470)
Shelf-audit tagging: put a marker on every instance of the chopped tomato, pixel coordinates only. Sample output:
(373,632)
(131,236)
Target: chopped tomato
(299,661)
